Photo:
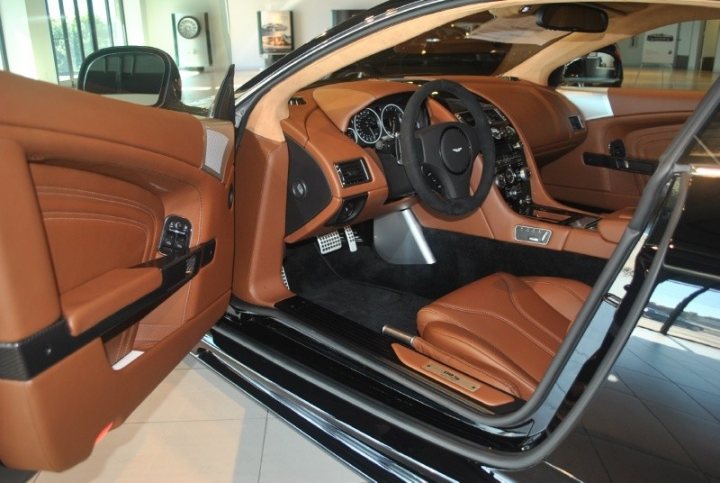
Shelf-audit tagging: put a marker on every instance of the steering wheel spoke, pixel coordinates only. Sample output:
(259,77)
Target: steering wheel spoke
(453,186)
(448,151)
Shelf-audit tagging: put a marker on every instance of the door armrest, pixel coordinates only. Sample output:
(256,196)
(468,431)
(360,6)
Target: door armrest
(95,300)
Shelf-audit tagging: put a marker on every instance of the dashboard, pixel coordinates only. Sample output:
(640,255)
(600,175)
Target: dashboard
(377,126)
(346,166)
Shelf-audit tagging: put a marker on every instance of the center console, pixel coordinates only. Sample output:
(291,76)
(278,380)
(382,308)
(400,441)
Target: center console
(512,178)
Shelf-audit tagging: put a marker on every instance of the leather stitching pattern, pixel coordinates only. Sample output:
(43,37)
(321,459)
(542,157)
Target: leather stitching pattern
(516,303)
(499,317)
(560,285)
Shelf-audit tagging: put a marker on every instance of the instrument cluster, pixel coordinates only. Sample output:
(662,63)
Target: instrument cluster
(375,124)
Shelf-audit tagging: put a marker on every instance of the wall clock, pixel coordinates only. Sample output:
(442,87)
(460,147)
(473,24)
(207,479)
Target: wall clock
(188,27)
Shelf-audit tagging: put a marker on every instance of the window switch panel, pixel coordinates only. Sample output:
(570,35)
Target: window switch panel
(176,236)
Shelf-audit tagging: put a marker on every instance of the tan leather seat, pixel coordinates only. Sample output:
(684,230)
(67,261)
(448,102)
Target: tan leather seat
(502,329)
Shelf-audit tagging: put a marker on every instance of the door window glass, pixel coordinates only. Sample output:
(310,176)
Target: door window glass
(3,52)
(678,56)
(686,311)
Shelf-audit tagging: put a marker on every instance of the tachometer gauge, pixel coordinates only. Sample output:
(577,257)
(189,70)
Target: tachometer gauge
(352,134)
(391,117)
(367,126)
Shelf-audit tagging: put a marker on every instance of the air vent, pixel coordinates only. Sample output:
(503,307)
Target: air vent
(494,116)
(352,172)
(297,101)
(576,123)
(466,117)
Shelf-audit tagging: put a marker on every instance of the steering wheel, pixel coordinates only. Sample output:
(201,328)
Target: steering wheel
(444,154)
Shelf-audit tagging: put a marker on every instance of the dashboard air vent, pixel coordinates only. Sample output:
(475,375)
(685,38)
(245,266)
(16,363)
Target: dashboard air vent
(466,117)
(576,123)
(297,101)
(494,117)
(352,172)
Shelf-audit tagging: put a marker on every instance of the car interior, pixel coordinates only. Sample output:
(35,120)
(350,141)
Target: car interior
(458,247)
(479,302)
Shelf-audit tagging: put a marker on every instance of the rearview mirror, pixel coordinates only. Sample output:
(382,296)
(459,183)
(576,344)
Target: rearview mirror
(142,75)
(572,18)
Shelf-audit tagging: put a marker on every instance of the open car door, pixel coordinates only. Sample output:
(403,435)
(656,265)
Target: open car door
(116,243)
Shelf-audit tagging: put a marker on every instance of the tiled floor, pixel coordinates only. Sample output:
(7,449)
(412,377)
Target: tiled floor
(195,427)
(656,419)
(667,78)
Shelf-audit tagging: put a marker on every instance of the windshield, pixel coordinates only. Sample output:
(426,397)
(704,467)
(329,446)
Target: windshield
(481,44)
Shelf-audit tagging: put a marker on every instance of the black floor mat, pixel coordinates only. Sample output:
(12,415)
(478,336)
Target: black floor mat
(368,304)
(462,259)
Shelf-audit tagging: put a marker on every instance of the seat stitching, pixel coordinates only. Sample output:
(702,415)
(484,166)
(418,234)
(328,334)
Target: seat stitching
(458,323)
(493,315)
(524,313)
(580,298)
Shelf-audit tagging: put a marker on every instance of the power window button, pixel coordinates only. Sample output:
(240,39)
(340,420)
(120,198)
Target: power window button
(168,241)
(180,242)
(175,238)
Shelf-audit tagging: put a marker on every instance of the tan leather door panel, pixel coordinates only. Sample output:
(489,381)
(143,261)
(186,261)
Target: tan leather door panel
(92,315)
(646,121)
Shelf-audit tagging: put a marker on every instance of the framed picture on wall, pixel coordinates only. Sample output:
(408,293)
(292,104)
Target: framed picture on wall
(276,31)
(339,16)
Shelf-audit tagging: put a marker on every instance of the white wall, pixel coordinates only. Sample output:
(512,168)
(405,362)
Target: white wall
(710,40)
(158,26)
(310,19)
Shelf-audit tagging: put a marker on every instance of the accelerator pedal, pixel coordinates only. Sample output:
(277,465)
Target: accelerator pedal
(350,237)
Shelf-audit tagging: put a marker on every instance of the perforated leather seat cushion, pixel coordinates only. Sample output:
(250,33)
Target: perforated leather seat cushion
(504,326)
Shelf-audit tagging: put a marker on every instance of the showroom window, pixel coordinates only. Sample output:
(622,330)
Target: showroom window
(80,27)
(3,52)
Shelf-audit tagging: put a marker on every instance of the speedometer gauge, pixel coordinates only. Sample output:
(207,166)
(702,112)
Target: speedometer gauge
(391,117)
(367,126)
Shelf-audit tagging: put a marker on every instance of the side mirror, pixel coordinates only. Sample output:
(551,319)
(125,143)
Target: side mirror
(602,68)
(572,18)
(142,75)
